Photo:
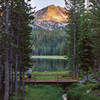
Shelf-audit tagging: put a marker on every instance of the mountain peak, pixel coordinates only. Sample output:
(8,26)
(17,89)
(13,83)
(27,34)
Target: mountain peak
(52,13)
(51,17)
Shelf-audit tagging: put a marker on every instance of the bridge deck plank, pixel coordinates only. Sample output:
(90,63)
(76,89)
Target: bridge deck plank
(48,81)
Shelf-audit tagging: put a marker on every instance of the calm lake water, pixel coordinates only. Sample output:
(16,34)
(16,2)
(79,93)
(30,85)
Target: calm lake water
(49,65)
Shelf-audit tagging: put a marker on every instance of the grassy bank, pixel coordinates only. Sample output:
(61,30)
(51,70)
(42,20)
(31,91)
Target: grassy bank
(42,92)
(49,57)
(62,72)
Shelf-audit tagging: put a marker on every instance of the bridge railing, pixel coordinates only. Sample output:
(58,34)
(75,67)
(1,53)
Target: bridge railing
(56,77)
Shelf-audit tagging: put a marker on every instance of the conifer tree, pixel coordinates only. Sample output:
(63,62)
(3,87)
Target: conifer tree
(73,33)
(79,19)
(1,51)
(95,18)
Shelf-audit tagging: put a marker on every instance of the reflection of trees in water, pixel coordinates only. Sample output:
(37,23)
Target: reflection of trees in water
(43,65)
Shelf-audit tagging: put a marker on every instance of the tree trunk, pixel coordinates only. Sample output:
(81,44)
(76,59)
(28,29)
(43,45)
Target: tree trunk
(20,81)
(74,46)
(2,82)
(6,94)
(78,72)
(87,75)
(10,80)
(95,64)
(10,73)
(99,72)
(13,79)
(23,86)
(16,68)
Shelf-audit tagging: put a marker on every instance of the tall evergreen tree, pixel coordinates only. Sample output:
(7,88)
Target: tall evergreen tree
(79,19)
(95,18)
(73,33)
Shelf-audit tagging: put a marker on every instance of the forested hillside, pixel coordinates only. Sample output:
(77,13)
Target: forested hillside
(47,42)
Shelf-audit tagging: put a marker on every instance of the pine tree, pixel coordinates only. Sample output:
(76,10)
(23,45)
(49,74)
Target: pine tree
(1,52)
(95,17)
(79,24)
(73,33)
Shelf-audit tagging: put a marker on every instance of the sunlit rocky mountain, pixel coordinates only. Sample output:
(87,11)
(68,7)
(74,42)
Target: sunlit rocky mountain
(51,17)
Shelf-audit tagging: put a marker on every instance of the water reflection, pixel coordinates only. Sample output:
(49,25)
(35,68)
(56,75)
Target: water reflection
(49,65)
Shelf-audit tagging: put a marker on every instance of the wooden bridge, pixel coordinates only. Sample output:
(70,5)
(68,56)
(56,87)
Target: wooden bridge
(50,79)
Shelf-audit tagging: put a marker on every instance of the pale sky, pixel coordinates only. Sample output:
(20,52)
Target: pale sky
(44,3)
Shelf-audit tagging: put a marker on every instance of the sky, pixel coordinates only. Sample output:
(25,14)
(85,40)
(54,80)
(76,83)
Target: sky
(44,3)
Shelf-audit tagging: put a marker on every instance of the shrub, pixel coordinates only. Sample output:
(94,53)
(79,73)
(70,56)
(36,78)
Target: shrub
(78,92)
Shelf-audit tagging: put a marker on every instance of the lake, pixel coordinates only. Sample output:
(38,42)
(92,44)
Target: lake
(49,65)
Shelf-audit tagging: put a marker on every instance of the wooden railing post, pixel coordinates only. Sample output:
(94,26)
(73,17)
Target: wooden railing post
(34,77)
(56,77)
(73,76)
(77,76)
